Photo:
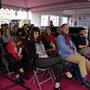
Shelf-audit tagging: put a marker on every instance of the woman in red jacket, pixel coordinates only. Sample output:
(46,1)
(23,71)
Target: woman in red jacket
(15,57)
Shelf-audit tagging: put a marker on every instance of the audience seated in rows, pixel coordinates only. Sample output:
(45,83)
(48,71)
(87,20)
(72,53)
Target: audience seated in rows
(27,43)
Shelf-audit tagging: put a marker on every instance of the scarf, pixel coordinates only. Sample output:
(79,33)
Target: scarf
(67,40)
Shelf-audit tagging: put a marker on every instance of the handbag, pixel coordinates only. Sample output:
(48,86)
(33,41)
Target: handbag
(52,52)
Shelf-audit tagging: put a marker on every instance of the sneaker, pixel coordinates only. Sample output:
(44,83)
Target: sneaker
(86,84)
(69,76)
(72,78)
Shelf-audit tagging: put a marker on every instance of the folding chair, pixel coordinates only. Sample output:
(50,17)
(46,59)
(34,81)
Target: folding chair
(41,71)
(4,61)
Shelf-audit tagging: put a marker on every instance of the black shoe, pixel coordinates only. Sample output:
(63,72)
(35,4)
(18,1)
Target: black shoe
(86,84)
(19,81)
(24,76)
(57,88)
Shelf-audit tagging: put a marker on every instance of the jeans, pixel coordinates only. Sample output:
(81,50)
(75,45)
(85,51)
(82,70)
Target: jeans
(56,62)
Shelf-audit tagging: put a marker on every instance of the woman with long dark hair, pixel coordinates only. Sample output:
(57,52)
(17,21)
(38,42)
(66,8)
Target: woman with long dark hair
(37,50)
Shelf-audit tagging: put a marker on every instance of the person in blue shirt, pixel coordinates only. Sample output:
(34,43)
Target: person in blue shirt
(67,50)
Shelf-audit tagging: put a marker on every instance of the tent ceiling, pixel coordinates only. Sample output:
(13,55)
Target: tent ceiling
(33,4)
(47,5)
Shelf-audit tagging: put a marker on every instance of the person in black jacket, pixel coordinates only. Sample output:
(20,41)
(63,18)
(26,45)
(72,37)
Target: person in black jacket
(82,43)
(37,51)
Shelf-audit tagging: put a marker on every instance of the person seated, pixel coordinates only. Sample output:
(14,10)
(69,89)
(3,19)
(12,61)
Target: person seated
(50,36)
(15,58)
(6,37)
(82,44)
(25,59)
(15,29)
(67,50)
(42,60)
(49,42)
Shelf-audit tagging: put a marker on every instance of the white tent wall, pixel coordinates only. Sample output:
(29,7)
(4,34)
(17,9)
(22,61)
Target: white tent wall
(36,17)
